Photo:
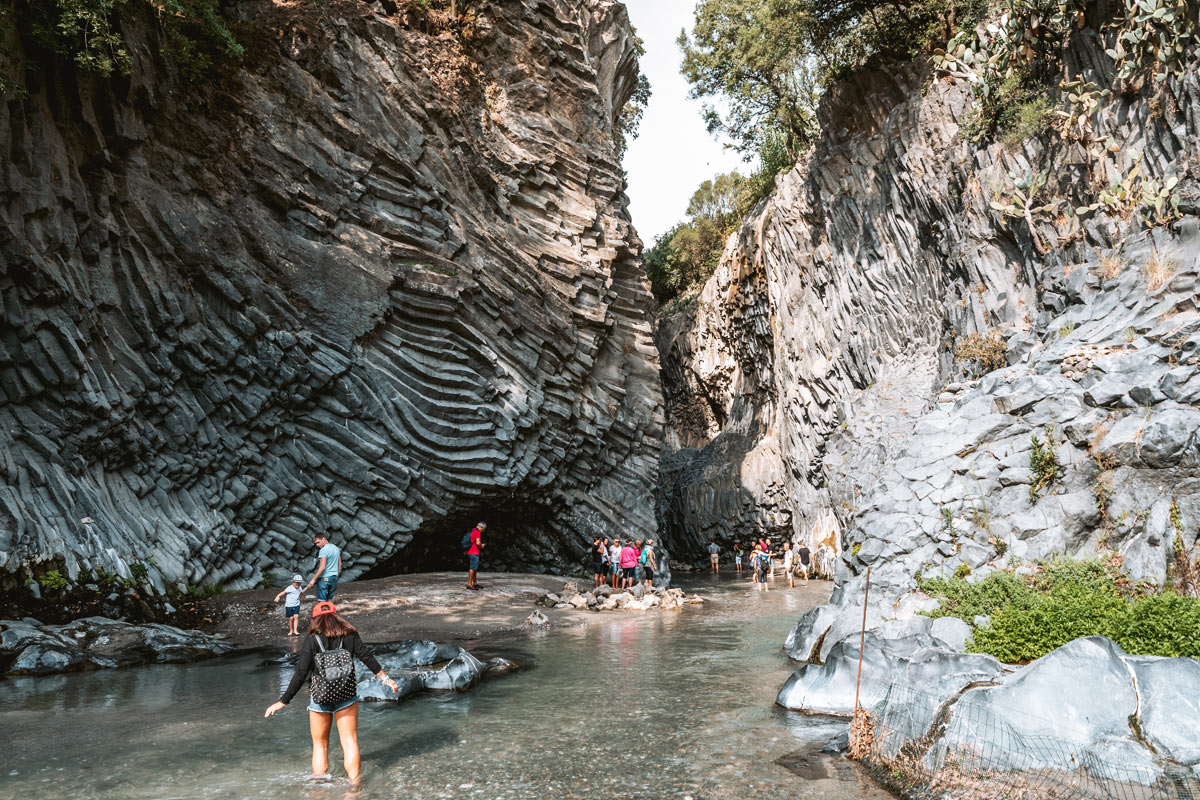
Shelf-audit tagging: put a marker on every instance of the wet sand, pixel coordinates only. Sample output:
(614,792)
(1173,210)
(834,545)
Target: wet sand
(429,605)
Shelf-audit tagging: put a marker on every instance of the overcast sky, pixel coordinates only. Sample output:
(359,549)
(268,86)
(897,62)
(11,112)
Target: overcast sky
(673,153)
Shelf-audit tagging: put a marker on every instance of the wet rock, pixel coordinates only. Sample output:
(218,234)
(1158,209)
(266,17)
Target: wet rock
(99,643)
(918,660)
(538,620)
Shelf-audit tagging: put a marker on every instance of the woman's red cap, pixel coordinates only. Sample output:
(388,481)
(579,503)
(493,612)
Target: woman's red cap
(324,607)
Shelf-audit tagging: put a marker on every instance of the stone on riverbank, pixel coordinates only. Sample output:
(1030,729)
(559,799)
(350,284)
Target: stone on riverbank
(403,662)
(30,648)
(605,598)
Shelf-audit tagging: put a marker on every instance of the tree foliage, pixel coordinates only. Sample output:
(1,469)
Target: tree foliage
(769,61)
(629,118)
(88,33)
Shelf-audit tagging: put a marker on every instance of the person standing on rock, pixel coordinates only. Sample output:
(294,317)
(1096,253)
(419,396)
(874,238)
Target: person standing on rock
(628,565)
(714,557)
(329,633)
(474,546)
(291,606)
(329,568)
(599,556)
(614,560)
(648,563)
(804,560)
(637,569)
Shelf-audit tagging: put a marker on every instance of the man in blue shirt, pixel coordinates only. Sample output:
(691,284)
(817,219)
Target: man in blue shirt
(328,569)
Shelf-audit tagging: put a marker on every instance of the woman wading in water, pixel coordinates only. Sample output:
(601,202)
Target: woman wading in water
(327,634)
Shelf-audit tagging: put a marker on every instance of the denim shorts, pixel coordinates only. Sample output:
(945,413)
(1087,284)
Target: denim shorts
(291,611)
(329,708)
(473,561)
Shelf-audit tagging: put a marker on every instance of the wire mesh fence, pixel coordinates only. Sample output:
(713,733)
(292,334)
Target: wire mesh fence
(926,748)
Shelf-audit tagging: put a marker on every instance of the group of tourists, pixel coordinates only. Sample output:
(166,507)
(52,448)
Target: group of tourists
(623,563)
(762,561)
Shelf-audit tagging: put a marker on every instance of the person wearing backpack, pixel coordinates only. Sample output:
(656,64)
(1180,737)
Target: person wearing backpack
(326,660)
(472,543)
(648,562)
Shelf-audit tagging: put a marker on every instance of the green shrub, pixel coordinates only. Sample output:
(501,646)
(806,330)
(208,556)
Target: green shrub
(963,571)
(1065,600)
(1044,463)
(139,572)
(53,581)
(207,590)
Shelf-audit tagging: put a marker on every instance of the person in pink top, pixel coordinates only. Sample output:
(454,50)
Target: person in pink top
(628,565)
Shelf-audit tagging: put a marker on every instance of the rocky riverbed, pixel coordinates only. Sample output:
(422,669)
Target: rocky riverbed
(605,598)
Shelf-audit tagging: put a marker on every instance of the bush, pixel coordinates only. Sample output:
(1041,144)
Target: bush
(207,590)
(1043,461)
(1065,600)
(53,581)
(985,349)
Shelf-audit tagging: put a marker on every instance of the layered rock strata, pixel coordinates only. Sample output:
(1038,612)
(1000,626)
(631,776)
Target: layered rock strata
(378,282)
(812,386)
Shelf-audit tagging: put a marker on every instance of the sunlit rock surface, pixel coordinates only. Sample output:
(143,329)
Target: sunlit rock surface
(374,282)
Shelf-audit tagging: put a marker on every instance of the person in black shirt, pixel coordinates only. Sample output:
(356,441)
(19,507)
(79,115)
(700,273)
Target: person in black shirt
(333,632)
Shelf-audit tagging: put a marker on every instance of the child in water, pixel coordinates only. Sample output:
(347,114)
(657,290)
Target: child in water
(291,606)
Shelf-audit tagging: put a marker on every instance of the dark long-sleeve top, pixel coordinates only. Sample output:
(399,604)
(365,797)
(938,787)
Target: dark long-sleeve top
(304,660)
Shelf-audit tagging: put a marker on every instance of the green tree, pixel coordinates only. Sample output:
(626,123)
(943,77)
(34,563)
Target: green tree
(718,199)
(629,118)
(756,55)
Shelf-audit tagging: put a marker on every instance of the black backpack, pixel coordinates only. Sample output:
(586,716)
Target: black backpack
(466,542)
(332,679)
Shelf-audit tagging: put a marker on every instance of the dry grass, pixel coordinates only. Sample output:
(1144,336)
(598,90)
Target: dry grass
(1158,271)
(1111,265)
(862,735)
(985,349)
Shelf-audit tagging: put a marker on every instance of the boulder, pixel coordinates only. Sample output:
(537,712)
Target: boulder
(951,632)
(538,620)
(918,660)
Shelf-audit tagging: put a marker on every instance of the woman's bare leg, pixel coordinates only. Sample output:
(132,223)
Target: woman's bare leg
(319,725)
(347,725)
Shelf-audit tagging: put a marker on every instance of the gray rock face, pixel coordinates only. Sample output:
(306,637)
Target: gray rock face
(367,285)
(812,388)
(29,648)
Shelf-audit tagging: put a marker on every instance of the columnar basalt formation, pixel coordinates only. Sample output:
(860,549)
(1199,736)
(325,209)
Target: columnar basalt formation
(378,281)
(812,386)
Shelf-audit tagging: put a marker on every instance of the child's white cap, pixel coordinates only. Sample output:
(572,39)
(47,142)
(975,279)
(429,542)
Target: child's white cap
(297,579)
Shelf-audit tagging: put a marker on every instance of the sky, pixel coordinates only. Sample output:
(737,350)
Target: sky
(673,152)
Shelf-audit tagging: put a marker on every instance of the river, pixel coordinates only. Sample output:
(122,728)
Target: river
(663,705)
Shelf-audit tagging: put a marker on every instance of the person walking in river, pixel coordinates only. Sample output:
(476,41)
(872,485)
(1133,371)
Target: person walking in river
(714,557)
(291,606)
(628,565)
(474,546)
(599,556)
(327,656)
(648,563)
(804,560)
(758,565)
(737,557)
(788,555)
(329,567)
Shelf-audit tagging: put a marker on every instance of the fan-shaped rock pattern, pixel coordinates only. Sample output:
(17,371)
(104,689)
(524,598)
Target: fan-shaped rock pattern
(363,284)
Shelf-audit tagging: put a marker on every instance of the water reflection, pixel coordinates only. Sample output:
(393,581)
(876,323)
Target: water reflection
(672,704)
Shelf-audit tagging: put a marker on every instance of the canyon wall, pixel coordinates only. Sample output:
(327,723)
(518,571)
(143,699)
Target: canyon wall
(377,281)
(812,385)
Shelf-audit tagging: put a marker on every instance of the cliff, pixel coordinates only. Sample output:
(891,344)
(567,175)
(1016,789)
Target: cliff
(377,281)
(819,387)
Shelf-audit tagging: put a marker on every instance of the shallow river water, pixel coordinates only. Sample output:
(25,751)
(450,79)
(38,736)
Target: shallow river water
(665,705)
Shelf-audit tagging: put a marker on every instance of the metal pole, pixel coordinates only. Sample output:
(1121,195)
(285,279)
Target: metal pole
(862,638)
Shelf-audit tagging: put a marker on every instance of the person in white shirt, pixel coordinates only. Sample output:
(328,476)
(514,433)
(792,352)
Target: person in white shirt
(788,556)
(614,558)
(291,605)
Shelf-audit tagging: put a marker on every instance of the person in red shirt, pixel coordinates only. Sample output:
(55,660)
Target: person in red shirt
(473,555)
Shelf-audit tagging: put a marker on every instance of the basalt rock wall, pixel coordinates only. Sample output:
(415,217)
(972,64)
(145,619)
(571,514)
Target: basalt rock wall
(812,385)
(376,281)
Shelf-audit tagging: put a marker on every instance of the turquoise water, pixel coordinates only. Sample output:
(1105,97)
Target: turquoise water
(662,705)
